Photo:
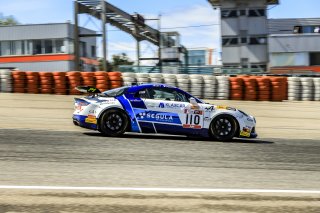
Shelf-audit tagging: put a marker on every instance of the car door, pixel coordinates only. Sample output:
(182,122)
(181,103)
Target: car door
(170,112)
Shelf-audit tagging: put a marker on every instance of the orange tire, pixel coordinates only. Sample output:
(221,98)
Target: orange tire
(45,74)
(19,81)
(59,74)
(118,74)
(115,78)
(116,84)
(100,77)
(60,86)
(46,82)
(237,80)
(18,90)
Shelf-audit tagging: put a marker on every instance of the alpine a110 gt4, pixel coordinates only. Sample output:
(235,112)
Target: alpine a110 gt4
(159,109)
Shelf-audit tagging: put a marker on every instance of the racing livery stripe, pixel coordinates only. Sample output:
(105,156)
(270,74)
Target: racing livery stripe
(128,108)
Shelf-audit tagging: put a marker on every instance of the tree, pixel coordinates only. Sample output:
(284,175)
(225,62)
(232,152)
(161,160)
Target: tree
(117,60)
(8,21)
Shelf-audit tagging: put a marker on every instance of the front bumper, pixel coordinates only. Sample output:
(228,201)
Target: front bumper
(85,122)
(252,134)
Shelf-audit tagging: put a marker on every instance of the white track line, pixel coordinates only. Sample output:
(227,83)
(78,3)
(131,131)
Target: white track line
(162,189)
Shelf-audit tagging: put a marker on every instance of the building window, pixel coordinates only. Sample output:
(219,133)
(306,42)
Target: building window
(93,51)
(243,40)
(306,29)
(256,13)
(297,29)
(229,13)
(59,45)
(230,41)
(48,46)
(83,50)
(243,12)
(37,47)
(258,40)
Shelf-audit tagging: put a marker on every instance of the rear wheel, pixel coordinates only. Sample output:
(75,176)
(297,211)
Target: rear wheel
(223,128)
(113,122)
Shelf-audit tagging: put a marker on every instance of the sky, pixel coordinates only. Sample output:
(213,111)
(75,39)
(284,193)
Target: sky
(174,13)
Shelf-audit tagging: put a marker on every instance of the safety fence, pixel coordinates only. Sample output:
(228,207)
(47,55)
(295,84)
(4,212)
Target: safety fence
(241,87)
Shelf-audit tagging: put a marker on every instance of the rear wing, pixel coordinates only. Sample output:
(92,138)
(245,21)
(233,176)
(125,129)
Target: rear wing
(88,89)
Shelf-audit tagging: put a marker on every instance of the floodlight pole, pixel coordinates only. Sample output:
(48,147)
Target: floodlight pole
(76,37)
(104,35)
(160,43)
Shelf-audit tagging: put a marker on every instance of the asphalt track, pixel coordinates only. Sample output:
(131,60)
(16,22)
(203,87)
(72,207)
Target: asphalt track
(36,151)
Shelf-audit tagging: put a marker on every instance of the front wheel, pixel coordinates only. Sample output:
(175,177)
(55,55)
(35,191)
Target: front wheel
(113,122)
(223,128)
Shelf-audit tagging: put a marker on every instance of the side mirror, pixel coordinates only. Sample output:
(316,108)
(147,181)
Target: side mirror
(193,101)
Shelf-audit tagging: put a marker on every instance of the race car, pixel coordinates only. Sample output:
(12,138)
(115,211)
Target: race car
(159,109)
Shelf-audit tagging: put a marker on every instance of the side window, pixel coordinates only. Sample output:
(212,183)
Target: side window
(143,94)
(166,94)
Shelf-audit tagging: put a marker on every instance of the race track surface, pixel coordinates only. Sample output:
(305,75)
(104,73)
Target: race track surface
(40,147)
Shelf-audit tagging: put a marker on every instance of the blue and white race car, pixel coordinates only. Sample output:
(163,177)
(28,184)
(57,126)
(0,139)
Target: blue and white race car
(158,108)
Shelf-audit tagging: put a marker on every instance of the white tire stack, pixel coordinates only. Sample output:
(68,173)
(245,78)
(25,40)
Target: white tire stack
(142,78)
(129,78)
(294,89)
(307,93)
(196,85)
(156,78)
(170,79)
(223,88)
(210,85)
(183,82)
(5,81)
(316,82)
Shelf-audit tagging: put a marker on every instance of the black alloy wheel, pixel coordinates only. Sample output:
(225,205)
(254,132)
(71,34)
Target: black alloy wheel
(223,128)
(113,122)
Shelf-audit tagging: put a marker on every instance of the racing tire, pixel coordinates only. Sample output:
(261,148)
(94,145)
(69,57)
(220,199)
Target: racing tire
(113,122)
(223,128)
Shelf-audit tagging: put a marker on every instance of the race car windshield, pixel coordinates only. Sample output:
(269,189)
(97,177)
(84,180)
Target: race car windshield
(115,92)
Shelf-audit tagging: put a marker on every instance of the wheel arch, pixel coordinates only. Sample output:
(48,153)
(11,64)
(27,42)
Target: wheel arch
(114,108)
(229,114)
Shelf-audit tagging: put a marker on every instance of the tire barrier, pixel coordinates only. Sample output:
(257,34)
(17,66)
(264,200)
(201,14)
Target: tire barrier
(60,83)
(46,82)
(196,85)
(19,81)
(278,88)
(307,92)
(73,79)
(316,82)
(142,78)
(236,88)
(264,88)
(87,78)
(101,80)
(294,89)
(250,88)
(223,91)
(115,79)
(32,83)
(129,78)
(5,81)
(156,78)
(210,87)
(183,82)
(170,79)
